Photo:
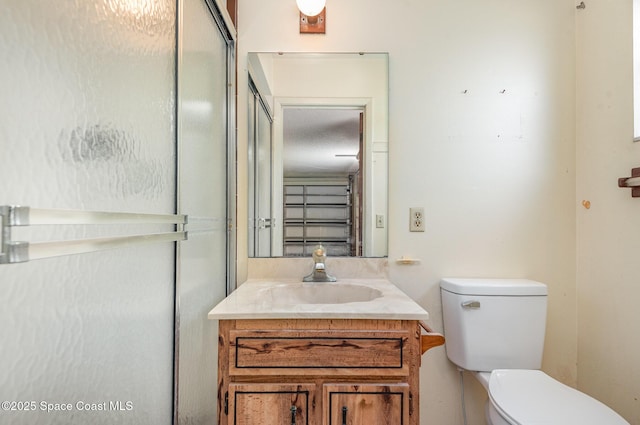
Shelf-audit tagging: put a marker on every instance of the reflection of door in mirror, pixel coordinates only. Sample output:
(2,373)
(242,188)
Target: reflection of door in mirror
(322,180)
(260,170)
(356,233)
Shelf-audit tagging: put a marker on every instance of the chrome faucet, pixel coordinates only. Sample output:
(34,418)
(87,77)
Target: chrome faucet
(319,273)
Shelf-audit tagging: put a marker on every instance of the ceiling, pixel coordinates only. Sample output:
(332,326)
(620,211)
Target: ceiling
(314,136)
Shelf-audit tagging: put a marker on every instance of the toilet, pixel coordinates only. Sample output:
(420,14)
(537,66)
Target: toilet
(495,328)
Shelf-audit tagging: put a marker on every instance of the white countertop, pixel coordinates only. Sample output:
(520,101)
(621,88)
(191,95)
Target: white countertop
(255,299)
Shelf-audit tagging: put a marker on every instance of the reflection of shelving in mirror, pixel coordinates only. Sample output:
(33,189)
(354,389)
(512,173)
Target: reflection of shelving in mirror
(318,213)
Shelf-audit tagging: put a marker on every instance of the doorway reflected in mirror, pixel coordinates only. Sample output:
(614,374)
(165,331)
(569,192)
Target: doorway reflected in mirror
(322,180)
(328,155)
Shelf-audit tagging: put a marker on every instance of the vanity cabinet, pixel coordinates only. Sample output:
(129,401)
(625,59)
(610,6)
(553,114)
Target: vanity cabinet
(319,371)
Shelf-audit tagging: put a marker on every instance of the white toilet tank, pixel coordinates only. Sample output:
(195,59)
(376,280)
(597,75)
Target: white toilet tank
(494,323)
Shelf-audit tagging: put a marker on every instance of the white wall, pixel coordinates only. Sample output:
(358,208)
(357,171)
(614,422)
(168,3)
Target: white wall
(608,232)
(495,171)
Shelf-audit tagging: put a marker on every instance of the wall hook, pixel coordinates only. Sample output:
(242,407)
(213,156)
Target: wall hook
(503,91)
(581,5)
(465,91)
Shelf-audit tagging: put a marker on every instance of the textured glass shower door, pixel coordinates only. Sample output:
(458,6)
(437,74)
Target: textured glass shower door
(205,84)
(87,122)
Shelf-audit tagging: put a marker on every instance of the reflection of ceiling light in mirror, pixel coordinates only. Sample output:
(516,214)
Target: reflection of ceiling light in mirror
(311,7)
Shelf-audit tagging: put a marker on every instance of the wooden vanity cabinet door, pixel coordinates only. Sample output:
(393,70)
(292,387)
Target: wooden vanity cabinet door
(270,404)
(354,404)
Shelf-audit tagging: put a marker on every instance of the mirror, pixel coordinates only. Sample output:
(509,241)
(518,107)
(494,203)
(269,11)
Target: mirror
(318,153)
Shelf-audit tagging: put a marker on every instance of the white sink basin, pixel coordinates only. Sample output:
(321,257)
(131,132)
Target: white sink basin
(321,293)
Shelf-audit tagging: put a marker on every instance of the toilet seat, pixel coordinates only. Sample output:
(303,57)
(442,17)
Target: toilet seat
(528,397)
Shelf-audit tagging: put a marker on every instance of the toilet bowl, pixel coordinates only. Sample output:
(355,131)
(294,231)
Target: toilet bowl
(522,397)
(496,327)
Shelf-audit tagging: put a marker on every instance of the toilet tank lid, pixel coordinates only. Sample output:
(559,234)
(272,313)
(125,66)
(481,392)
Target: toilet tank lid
(484,286)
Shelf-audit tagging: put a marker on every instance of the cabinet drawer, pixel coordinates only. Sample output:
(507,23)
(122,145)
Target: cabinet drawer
(319,353)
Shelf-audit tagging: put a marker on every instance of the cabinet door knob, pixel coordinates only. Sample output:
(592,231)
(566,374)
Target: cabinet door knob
(344,415)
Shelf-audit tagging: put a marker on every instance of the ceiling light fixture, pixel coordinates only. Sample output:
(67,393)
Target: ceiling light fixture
(312,16)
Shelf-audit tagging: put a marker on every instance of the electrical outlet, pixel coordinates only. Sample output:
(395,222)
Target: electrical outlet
(416,219)
(379,221)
